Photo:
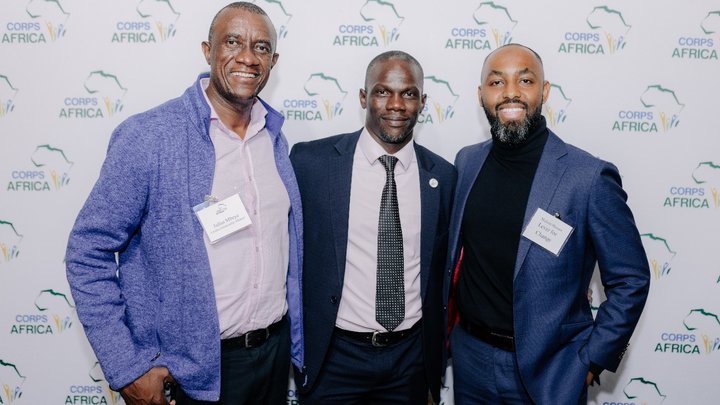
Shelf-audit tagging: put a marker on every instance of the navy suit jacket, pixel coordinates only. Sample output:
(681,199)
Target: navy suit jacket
(555,334)
(324,171)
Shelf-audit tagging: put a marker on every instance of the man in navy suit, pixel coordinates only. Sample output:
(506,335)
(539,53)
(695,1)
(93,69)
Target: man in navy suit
(531,218)
(352,354)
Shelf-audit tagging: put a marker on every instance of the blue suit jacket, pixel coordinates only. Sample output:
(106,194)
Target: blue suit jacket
(324,171)
(556,336)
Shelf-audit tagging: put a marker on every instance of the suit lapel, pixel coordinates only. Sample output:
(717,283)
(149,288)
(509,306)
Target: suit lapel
(339,176)
(429,213)
(547,178)
(467,174)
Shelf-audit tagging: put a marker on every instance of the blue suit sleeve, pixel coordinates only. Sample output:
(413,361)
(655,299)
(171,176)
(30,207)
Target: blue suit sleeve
(623,265)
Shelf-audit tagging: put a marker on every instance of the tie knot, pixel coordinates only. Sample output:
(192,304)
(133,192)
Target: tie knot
(388,162)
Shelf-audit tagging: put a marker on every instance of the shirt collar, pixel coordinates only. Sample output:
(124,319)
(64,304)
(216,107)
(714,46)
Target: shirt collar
(257,114)
(372,150)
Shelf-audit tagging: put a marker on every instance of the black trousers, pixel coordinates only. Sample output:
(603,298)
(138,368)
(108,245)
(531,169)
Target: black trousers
(258,375)
(355,373)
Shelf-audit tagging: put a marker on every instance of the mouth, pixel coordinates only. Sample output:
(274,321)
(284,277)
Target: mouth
(511,111)
(395,121)
(244,75)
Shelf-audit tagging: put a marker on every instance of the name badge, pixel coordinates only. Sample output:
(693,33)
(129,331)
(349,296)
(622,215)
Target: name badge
(222,218)
(547,231)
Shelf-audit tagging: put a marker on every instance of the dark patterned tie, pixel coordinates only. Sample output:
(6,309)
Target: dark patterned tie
(390,296)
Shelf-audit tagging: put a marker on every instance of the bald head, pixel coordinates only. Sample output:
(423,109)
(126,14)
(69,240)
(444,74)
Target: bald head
(399,55)
(244,6)
(509,51)
(512,91)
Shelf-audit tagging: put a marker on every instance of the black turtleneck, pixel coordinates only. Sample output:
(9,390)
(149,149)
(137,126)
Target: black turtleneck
(491,228)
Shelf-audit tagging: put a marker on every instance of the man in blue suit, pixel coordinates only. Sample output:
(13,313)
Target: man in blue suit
(378,209)
(531,218)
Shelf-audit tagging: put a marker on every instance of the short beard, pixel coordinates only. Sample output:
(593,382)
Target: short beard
(395,141)
(514,132)
(402,138)
(227,94)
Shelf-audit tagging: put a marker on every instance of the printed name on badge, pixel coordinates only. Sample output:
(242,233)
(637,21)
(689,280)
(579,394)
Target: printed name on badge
(548,231)
(222,218)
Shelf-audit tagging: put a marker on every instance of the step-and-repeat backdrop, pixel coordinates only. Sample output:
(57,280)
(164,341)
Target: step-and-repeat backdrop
(635,83)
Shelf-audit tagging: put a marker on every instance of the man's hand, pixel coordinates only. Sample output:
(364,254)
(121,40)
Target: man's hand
(148,389)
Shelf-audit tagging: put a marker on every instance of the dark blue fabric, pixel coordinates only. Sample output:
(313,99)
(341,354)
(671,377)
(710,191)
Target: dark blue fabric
(324,172)
(556,336)
(258,375)
(358,373)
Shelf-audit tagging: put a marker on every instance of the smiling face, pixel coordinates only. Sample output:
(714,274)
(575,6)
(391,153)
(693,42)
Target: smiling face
(240,53)
(512,92)
(393,99)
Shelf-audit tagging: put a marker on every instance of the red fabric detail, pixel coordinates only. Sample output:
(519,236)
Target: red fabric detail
(453,313)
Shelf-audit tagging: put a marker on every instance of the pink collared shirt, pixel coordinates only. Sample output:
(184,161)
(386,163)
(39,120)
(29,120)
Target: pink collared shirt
(249,267)
(357,305)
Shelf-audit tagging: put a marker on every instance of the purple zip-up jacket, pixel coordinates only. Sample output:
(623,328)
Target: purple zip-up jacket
(155,305)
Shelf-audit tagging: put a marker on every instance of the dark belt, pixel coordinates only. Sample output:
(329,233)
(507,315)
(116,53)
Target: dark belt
(251,339)
(489,336)
(379,339)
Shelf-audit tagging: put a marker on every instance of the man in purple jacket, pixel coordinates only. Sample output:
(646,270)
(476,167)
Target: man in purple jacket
(186,256)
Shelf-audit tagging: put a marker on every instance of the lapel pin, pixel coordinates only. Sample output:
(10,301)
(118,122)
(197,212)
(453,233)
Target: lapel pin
(433,182)
(557,215)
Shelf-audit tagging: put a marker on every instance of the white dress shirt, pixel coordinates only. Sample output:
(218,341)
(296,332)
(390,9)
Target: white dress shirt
(249,267)
(357,305)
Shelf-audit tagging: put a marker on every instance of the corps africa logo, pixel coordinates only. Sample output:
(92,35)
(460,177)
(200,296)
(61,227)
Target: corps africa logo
(379,25)
(606,32)
(702,194)
(278,15)
(95,391)
(11,381)
(642,391)
(8,92)
(700,335)
(707,325)
(154,21)
(556,106)
(10,240)
(701,44)
(51,315)
(43,21)
(659,254)
(659,112)
(323,100)
(491,28)
(440,102)
(50,171)
(104,98)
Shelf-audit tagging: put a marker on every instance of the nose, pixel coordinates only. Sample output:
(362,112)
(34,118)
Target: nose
(395,102)
(246,56)
(511,90)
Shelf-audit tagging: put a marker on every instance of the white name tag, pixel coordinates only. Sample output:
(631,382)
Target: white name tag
(547,231)
(222,218)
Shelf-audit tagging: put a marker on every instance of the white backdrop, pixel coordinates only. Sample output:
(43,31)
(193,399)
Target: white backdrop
(634,83)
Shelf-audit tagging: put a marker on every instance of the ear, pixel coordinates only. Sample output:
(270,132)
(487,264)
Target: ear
(480,96)
(274,60)
(206,51)
(546,91)
(363,98)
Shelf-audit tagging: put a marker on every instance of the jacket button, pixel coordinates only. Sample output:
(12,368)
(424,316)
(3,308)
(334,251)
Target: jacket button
(333,300)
